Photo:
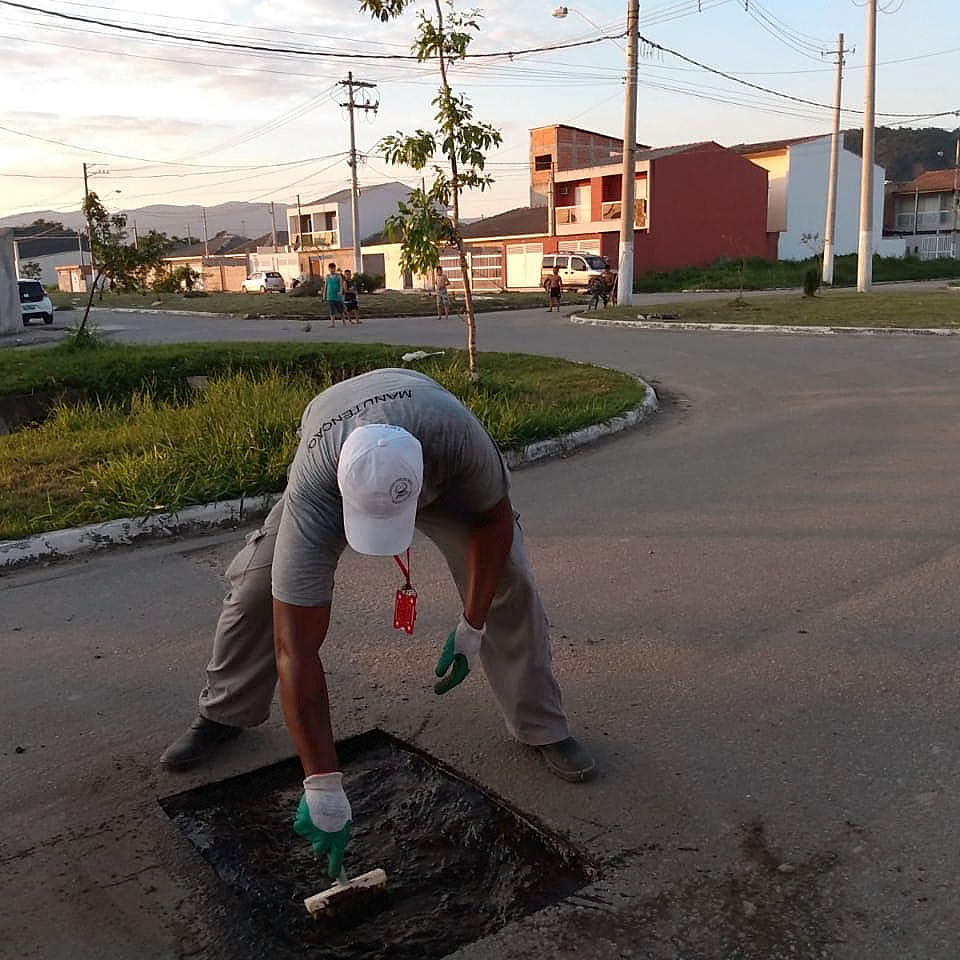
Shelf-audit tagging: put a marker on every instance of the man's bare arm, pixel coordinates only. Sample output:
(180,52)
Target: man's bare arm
(488,546)
(298,634)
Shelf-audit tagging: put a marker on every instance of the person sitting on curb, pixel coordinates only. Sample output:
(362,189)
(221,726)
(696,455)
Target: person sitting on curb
(379,455)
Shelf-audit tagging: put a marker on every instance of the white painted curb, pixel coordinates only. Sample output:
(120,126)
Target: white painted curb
(765,328)
(100,536)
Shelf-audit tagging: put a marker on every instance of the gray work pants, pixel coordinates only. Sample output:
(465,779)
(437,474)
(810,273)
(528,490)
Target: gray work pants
(242,673)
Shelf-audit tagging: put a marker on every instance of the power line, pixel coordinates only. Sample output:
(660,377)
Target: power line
(777,93)
(292,51)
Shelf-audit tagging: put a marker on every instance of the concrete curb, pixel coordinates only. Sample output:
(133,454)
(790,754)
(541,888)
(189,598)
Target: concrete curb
(765,328)
(160,312)
(207,516)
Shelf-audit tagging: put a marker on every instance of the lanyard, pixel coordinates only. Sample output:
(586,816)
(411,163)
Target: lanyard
(405,570)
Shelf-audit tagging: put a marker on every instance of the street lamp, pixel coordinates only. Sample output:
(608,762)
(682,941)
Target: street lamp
(628,190)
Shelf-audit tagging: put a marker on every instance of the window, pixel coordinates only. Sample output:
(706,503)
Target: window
(543,161)
(577,264)
(548,263)
(30,291)
(563,262)
(596,263)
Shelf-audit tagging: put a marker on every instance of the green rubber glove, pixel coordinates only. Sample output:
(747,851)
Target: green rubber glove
(459,650)
(324,818)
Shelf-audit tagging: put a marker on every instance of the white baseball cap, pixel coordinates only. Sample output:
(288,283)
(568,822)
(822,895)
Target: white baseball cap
(380,474)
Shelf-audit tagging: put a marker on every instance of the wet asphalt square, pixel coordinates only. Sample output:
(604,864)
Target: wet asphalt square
(460,862)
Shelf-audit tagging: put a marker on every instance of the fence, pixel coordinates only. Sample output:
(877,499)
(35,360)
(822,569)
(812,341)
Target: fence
(486,270)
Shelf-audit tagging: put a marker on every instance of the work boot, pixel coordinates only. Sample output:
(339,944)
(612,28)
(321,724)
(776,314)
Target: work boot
(202,738)
(569,760)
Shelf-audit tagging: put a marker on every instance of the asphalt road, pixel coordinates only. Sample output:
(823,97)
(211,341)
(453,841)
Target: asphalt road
(755,619)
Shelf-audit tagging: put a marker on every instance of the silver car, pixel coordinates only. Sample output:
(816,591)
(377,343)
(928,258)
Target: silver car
(265,281)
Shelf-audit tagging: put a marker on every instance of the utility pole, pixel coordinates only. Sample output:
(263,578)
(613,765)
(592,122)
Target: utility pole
(203,218)
(136,236)
(831,225)
(628,191)
(955,252)
(353,106)
(243,228)
(273,226)
(86,195)
(299,226)
(865,249)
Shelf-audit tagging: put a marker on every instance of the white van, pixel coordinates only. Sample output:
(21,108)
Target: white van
(576,269)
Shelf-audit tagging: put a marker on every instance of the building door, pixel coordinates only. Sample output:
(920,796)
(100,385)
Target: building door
(523,265)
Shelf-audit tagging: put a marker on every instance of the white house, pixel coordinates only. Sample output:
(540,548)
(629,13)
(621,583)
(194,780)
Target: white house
(327,223)
(798,175)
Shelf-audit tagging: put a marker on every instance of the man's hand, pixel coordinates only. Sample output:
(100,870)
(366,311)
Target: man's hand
(324,818)
(461,647)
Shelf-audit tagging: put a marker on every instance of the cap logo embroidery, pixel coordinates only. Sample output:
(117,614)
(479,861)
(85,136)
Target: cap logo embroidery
(400,489)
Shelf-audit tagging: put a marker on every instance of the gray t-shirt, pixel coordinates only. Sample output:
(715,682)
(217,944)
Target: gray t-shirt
(463,472)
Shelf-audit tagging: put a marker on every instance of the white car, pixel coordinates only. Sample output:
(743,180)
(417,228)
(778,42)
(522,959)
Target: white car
(34,302)
(263,282)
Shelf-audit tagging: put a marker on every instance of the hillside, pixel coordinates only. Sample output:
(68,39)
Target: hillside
(247,219)
(906,152)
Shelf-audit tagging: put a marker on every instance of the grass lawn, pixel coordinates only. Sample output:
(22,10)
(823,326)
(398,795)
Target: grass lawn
(387,304)
(135,438)
(756,274)
(834,309)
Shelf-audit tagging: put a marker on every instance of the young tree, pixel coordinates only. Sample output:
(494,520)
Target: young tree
(420,223)
(128,266)
(31,270)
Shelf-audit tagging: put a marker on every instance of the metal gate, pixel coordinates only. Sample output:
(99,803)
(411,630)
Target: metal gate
(523,265)
(485,266)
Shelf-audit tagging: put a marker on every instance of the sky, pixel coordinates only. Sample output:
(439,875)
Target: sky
(165,121)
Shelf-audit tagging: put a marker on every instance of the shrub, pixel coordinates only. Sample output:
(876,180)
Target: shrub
(811,282)
(309,288)
(368,282)
(182,278)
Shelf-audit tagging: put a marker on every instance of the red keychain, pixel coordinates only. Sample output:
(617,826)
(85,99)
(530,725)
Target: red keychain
(405,607)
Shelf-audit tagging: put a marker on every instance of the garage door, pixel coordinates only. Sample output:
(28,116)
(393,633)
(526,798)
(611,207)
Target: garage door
(523,264)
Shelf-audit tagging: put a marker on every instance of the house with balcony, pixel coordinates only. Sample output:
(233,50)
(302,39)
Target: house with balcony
(695,203)
(924,213)
(324,227)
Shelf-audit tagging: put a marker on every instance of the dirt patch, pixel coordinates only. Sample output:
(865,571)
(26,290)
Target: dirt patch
(460,863)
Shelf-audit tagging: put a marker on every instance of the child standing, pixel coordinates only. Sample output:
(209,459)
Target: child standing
(350,302)
(333,294)
(554,288)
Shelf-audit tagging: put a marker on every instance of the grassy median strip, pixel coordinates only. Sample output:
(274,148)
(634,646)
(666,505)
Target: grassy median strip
(390,303)
(757,274)
(162,446)
(889,310)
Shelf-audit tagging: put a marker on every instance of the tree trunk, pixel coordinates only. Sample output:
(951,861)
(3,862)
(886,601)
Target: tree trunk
(86,312)
(470,319)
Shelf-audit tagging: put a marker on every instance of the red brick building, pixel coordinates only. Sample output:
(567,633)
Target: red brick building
(695,203)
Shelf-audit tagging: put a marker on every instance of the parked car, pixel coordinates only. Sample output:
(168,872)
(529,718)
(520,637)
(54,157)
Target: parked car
(34,302)
(264,281)
(576,269)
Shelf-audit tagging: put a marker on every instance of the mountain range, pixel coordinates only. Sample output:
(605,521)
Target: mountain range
(244,219)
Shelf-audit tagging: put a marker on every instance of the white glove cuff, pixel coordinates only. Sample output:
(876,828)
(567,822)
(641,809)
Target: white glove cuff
(324,781)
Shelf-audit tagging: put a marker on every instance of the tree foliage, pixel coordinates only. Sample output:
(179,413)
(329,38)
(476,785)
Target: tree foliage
(127,266)
(31,270)
(455,151)
(906,152)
